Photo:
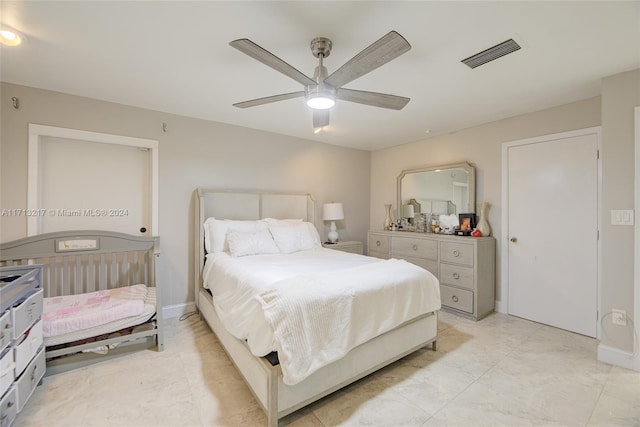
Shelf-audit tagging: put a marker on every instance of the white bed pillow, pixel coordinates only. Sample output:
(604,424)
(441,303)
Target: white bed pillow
(215,232)
(293,238)
(251,243)
(273,221)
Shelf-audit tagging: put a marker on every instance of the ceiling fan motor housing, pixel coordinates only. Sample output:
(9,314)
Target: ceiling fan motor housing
(321,46)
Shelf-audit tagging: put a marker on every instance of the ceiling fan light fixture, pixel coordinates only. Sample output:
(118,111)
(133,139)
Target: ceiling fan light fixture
(9,36)
(321,101)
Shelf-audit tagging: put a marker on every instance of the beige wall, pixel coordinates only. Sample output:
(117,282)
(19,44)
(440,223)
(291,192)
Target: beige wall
(620,95)
(192,153)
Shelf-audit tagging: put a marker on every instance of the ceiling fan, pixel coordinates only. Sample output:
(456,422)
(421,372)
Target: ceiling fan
(322,90)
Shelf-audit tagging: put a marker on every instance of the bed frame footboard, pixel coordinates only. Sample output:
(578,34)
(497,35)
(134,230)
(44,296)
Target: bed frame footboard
(279,399)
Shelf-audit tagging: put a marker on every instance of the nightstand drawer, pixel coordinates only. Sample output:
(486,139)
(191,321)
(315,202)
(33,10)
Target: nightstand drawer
(456,275)
(457,298)
(378,244)
(403,246)
(351,246)
(459,253)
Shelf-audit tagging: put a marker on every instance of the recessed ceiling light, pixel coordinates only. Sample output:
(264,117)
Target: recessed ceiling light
(10,37)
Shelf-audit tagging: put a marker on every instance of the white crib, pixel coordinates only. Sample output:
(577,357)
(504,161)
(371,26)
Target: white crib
(77,262)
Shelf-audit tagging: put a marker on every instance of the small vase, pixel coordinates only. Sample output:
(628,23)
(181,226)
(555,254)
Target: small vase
(387,220)
(483,223)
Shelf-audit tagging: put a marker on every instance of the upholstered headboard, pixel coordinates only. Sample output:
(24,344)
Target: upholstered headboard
(244,205)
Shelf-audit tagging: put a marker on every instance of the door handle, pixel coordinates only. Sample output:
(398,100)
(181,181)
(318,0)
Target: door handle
(513,239)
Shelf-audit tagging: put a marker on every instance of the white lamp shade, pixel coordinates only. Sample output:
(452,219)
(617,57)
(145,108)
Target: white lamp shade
(332,212)
(407,211)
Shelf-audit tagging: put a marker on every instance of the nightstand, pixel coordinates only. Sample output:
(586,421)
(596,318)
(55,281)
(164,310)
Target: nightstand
(352,246)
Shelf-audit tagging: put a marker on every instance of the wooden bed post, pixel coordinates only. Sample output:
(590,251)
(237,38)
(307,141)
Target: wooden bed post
(272,400)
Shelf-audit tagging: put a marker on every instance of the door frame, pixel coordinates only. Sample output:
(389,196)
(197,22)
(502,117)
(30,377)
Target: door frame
(37,136)
(502,306)
(636,289)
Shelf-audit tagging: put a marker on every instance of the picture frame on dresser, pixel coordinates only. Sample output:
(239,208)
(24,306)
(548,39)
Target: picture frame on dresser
(467,221)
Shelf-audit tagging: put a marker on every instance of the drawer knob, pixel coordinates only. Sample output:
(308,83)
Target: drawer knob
(456,276)
(378,243)
(454,298)
(415,247)
(456,253)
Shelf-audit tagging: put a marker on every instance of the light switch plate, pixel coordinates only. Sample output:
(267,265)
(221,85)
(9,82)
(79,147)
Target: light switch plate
(622,217)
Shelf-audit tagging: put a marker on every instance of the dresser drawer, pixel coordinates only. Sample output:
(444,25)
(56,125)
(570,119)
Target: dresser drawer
(459,299)
(421,248)
(428,264)
(378,244)
(26,313)
(30,379)
(6,330)
(457,275)
(380,255)
(6,371)
(8,407)
(459,253)
(27,347)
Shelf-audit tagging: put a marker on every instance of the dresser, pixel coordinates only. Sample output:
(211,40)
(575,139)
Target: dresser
(465,266)
(22,354)
(352,246)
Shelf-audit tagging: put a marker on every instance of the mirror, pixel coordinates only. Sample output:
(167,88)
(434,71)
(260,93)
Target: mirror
(445,189)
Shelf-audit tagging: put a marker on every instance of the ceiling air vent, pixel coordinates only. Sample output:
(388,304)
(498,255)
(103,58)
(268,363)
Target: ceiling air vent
(492,53)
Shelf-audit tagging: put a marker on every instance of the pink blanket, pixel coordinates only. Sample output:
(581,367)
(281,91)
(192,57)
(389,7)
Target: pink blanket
(70,313)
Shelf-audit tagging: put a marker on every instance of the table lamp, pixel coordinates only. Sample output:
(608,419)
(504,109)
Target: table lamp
(332,212)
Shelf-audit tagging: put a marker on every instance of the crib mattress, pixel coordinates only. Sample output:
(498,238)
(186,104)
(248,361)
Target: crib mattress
(113,326)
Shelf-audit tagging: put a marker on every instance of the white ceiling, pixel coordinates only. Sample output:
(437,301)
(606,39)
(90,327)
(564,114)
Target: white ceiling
(174,57)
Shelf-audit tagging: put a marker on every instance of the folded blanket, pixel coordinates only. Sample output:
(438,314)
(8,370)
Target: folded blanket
(318,319)
(70,313)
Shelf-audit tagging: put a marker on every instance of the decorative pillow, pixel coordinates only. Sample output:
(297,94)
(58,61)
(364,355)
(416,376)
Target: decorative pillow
(251,243)
(294,238)
(215,232)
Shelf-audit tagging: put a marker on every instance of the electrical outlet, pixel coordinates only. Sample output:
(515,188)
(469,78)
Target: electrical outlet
(619,317)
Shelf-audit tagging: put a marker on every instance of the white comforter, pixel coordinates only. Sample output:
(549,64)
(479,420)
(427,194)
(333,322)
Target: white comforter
(314,306)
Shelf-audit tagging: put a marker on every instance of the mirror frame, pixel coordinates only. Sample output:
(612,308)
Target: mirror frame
(471,171)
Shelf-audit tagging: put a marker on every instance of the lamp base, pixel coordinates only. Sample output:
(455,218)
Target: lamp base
(333,234)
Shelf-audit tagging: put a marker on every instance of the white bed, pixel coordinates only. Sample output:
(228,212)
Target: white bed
(390,339)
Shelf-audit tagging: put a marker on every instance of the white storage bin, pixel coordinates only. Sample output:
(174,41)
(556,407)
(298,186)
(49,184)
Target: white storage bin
(27,346)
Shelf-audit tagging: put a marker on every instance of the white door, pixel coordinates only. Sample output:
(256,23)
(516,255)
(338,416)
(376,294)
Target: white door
(552,229)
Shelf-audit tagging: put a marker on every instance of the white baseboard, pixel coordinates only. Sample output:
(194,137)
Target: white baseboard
(177,310)
(615,356)
(501,307)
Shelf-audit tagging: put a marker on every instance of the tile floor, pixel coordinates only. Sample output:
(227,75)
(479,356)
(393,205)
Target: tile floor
(501,371)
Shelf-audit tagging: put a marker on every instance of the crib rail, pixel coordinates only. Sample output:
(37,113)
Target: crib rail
(107,261)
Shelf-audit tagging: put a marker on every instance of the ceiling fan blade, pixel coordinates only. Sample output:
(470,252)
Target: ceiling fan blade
(256,52)
(379,53)
(269,99)
(320,118)
(375,99)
